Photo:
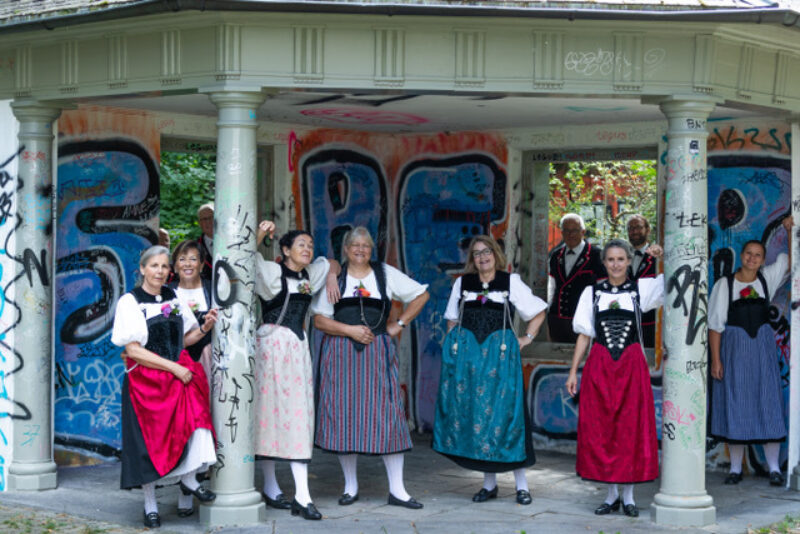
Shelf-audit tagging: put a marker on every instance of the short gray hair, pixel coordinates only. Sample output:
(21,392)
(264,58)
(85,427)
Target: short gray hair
(618,243)
(572,217)
(155,250)
(350,236)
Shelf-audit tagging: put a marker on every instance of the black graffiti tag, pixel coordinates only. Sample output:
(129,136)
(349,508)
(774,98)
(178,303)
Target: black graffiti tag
(684,278)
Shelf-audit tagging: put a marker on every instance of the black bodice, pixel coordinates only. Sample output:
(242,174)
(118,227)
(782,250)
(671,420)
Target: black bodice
(296,304)
(616,329)
(196,350)
(164,333)
(483,318)
(368,311)
(749,314)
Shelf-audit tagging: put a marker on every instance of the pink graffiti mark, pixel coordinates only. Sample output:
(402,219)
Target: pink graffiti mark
(32,156)
(675,413)
(365,116)
(292,142)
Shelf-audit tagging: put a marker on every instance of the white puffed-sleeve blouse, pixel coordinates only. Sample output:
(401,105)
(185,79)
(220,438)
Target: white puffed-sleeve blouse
(651,296)
(399,286)
(718,303)
(527,304)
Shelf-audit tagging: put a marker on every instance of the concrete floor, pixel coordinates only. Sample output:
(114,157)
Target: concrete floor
(561,501)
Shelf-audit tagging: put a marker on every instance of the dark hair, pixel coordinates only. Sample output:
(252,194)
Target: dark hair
(287,239)
(185,245)
(617,243)
(755,242)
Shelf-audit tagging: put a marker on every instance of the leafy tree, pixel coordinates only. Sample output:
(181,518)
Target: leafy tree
(605,194)
(187,182)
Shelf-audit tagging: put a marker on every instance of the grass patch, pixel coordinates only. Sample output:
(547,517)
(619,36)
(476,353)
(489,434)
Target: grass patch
(789,525)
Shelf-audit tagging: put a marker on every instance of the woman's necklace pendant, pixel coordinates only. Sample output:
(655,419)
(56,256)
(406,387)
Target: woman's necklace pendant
(485,285)
(158,298)
(615,289)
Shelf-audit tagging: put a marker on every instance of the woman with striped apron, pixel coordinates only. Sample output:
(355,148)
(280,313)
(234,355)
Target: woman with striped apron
(746,393)
(360,405)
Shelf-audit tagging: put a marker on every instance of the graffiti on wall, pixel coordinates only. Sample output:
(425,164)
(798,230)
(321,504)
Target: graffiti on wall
(422,198)
(107,201)
(749,194)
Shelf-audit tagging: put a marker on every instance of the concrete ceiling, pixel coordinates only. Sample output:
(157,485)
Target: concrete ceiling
(417,113)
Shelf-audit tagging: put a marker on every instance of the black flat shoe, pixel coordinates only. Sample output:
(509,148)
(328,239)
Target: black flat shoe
(524,497)
(410,503)
(346,499)
(202,494)
(776,479)
(733,478)
(280,501)
(631,510)
(152,520)
(185,512)
(484,495)
(308,512)
(606,508)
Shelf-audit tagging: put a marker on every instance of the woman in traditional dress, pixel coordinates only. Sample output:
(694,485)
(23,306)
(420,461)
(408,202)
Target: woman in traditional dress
(360,405)
(284,376)
(167,433)
(746,395)
(482,421)
(616,422)
(195,291)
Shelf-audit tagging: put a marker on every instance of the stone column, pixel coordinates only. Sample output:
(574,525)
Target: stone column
(794,362)
(682,499)
(233,390)
(32,466)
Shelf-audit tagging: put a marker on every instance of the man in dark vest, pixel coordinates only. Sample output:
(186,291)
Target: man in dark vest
(572,267)
(643,265)
(205,218)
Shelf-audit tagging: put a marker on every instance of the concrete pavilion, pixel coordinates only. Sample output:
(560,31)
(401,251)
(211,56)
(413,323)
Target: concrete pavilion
(554,78)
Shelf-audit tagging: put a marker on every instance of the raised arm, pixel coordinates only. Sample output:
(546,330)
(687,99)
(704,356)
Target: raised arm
(408,314)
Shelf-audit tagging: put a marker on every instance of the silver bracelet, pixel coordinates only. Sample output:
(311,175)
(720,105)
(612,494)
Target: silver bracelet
(401,323)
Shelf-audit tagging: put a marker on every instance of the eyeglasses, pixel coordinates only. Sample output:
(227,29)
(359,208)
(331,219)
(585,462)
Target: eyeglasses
(483,252)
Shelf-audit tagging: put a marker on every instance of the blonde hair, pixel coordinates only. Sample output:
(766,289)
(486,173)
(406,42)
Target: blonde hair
(499,256)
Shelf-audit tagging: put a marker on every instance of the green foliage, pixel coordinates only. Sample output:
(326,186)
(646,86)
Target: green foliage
(588,186)
(187,182)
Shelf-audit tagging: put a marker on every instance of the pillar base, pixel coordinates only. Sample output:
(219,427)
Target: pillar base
(234,509)
(794,479)
(683,517)
(36,476)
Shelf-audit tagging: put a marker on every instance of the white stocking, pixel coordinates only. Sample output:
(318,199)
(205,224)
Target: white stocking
(300,474)
(772,451)
(271,487)
(613,494)
(737,453)
(349,464)
(519,478)
(627,494)
(150,504)
(394,472)
(489,481)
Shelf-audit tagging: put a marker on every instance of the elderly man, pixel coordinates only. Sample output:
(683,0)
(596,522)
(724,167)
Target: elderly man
(205,218)
(573,266)
(643,265)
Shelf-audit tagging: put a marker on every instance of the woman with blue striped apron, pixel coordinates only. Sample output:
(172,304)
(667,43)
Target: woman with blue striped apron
(747,396)
(360,405)
(482,422)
